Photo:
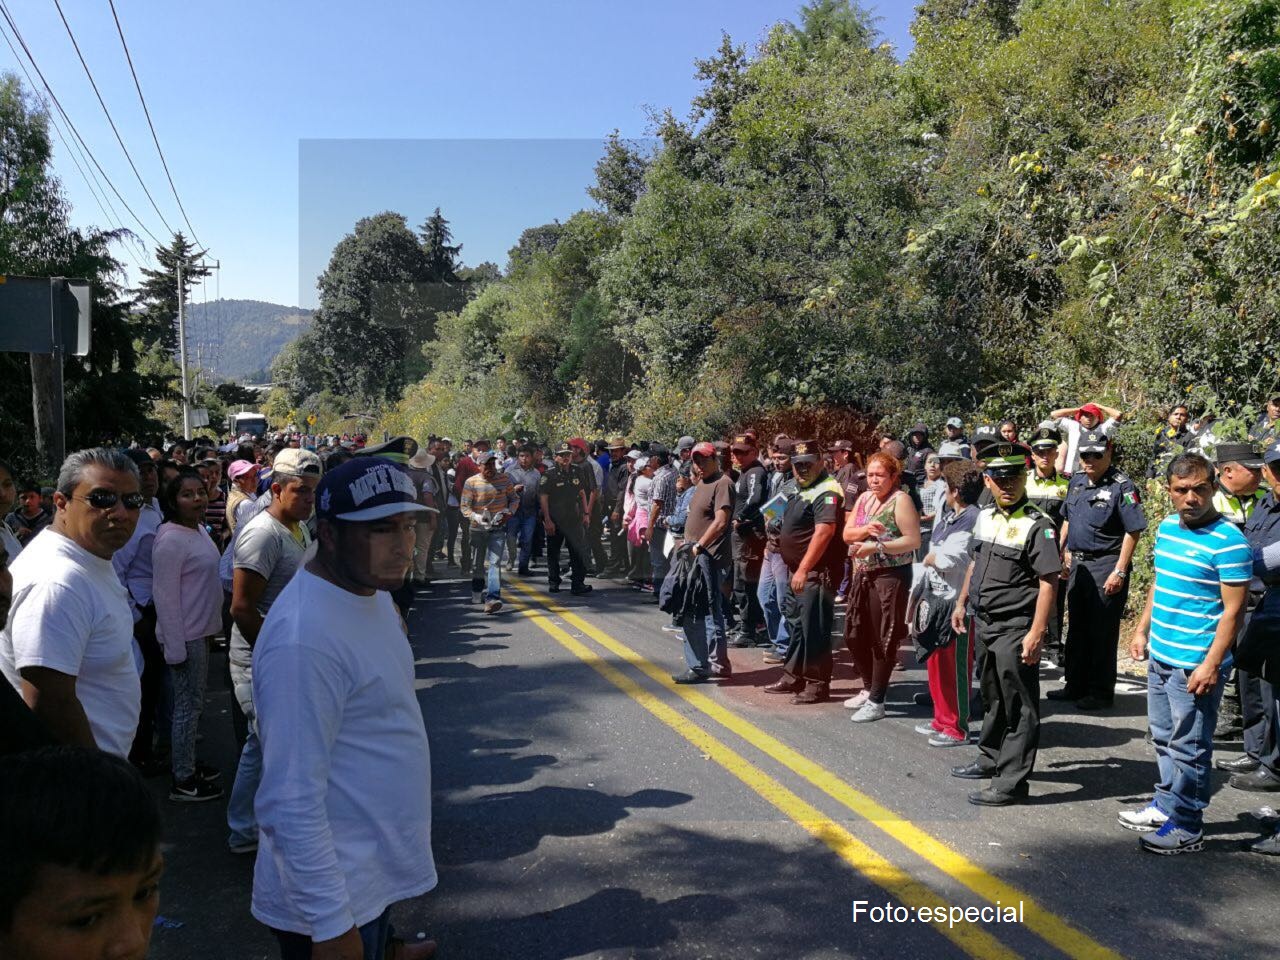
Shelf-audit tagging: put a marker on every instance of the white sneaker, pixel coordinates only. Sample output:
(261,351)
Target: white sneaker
(1147,820)
(868,712)
(1170,839)
(493,606)
(857,700)
(928,729)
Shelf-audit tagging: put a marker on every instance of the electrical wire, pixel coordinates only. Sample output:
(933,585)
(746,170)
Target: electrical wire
(156,139)
(119,139)
(99,194)
(8,17)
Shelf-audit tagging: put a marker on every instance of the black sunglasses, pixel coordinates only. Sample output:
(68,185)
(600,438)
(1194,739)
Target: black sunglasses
(106,499)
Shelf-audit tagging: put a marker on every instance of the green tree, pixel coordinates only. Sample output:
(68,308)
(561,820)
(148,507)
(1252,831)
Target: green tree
(156,296)
(442,256)
(619,176)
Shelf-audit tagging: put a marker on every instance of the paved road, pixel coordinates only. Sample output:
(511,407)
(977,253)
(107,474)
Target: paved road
(587,807)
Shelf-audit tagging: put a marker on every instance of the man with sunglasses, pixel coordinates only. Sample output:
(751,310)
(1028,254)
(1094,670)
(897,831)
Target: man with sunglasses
(1102,519)
(68,645)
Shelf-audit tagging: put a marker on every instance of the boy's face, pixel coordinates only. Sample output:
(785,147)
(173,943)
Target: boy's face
(71,913)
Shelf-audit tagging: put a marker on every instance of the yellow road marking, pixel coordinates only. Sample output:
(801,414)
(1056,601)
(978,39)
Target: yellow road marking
(970,938)
(1046,924)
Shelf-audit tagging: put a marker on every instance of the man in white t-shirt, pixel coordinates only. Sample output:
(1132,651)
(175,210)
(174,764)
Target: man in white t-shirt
(68,645)
(268,551)
(344,807)
(1071,421)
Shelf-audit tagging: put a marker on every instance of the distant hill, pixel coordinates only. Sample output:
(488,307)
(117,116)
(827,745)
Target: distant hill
(235,338)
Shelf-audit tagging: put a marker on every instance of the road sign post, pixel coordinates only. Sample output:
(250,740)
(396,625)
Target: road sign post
(46,317)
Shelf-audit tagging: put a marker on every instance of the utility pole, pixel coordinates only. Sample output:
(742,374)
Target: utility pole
(182,360)
(182,346)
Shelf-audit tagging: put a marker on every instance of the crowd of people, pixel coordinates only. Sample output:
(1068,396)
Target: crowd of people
(991,557)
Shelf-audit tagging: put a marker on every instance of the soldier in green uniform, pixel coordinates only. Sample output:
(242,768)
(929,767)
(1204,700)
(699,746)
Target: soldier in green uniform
(1047,490)
(1009,589)
(563,496)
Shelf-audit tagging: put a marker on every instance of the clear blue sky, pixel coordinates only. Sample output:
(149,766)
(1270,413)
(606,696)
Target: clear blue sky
(244,93)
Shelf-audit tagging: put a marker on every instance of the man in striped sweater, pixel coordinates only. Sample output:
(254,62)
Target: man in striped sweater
(489,500)
(1194,609)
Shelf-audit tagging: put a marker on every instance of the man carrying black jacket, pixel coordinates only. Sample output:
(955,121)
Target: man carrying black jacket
(748,541)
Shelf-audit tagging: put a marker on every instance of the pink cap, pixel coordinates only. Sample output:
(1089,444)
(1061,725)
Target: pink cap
(239,468)
(704,449)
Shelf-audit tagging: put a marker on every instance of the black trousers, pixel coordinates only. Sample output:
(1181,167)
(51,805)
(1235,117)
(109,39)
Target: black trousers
(1260,709)
(810,616)
(617,541)
(568,534)
(1053,634)
(1090,666)
(595,538)
(748,558)
(153,671)
(1011,694)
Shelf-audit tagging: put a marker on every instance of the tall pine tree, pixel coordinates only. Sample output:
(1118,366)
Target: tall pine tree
(442,256)
(156,297)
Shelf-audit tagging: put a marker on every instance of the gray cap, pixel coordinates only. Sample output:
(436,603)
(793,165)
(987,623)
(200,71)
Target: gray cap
(685,443)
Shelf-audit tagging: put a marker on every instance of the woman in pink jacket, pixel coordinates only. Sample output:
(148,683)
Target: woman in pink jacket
(188,599)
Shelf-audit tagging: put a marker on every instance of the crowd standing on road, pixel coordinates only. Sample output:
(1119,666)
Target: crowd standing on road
(991,558)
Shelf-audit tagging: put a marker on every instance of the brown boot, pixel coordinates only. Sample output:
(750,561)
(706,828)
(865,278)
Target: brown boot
(813,692)
(786,684)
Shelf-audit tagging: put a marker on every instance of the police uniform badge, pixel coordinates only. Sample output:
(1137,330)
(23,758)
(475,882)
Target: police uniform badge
(802,448)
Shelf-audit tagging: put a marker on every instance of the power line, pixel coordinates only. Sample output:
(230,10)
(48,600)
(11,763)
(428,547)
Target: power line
(119,139)
(112,218)
(4,11)
(164,163)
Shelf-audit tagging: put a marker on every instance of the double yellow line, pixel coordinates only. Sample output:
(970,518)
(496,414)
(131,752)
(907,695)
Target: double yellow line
(908,891)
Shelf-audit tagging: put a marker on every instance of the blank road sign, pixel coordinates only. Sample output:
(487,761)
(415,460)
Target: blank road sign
(39,313)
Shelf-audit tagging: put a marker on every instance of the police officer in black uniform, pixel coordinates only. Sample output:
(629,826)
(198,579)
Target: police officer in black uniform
(1009,591)
(563,496)
(814,553)
(1047,490)
(1102,520)
(747,540)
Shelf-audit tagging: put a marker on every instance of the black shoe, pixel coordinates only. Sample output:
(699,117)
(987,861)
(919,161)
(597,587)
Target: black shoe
(1062,693)
(194,790)
(922,700)
(996,798)
(1229,729)
(553,588)
(1261,780)
(1093,703)
(207,773)
(739,643)
(972,771)
(525,572)
(581,589)
(1245,764)
(691,676)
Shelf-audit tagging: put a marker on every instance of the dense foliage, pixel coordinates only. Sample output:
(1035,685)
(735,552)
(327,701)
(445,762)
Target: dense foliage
(1047,201)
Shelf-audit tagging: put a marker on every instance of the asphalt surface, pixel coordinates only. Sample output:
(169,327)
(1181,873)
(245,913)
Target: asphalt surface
(584,808)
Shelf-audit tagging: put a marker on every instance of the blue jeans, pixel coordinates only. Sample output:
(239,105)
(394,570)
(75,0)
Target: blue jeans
(240,816)
(188,701)
(705,650)
(774,577)
(487,546)
(520,529)
(373,936)
(1182,731)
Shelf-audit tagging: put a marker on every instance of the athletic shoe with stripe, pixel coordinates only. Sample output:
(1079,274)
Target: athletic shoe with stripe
(1171,839)
(1147,820)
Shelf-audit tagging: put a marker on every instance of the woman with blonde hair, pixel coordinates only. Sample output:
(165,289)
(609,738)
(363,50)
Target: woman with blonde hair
(883,533)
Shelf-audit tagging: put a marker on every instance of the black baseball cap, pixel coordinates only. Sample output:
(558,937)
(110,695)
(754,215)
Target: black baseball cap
(1244,454)
(1093,441)
(366,488)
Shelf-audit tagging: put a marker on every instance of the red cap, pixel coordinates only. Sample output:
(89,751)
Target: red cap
(579,443)
(704,449)
(1091,408)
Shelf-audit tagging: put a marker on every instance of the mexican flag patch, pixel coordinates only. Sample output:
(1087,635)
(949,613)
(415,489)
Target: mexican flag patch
(1131,498)
(1048,534)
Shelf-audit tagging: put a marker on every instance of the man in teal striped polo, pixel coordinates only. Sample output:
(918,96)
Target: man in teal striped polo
(1194,610)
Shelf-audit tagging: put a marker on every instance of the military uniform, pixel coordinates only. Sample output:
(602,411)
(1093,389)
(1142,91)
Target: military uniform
(1261,736)
(1049,495)
(1097,516)
(1012,551)
(563,487)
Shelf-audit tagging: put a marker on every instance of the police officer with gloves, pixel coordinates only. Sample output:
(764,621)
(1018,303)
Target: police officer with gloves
(1102,520)
(1009,590)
